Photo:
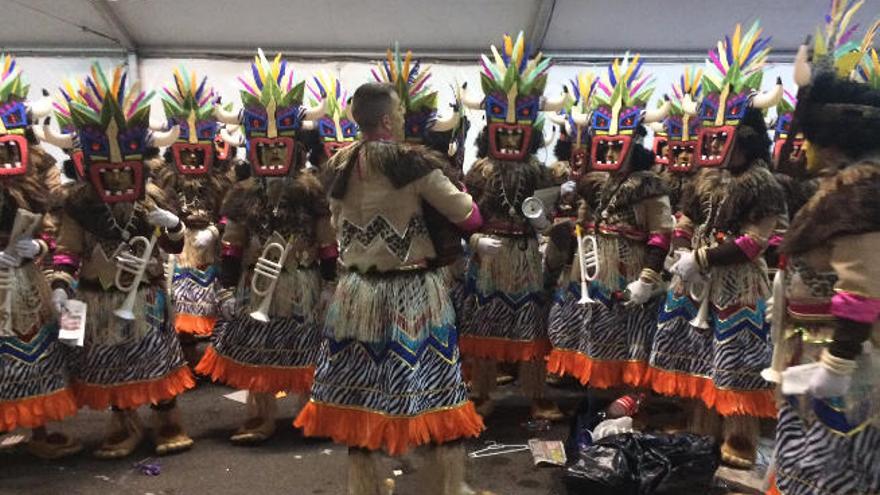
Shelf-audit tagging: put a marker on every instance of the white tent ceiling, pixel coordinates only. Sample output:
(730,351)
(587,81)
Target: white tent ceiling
(449,29)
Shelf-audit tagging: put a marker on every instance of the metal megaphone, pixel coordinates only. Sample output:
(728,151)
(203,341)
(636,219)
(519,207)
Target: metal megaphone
(533,209)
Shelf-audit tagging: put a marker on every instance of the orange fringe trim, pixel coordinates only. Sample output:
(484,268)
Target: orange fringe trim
(757,403)
(773,490)
(133,395)
(503,350)
(597,374)
(266,379)
(33,412)
(201,326)
(394,434)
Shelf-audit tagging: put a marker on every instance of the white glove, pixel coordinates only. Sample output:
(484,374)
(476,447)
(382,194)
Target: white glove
(205,238)
(227,308)
(488,246)
(59,299)
(611,427)
(163,218)
(639,292)
(826,384)
(27,248)
(9,260)
(567,188)
(686,267)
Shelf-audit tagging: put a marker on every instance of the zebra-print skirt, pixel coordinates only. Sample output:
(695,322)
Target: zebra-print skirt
(401,391)
(505,305)
(720,365)
(34,374)
(194,297)
(820,453)
(129,364)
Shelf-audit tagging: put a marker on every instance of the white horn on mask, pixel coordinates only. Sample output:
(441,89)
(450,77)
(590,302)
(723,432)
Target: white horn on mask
(308,125)
(158,125)
(41,108)
(658,114)
(452,149)
(316,112)
(560,120)
(443,124)
(161,139)
(236,139)
(469,100)
(580,118)
(226,116)
(657,127)
(55,137)
(688,105)
(556,104)
(770,98)
(802,70)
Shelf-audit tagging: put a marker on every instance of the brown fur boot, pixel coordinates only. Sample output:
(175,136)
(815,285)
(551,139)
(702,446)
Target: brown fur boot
(168,433)
(123,436)
(260,425)
(362,476)
(740,447)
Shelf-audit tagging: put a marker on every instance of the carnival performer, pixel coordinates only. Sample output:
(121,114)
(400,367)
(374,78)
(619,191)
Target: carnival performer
(625,226)
(506,306)
(115,220)
(681,128)
(198,176)
(334,130)
(711,343)
(279,243)
(827,435)
(389,376)
(34,365)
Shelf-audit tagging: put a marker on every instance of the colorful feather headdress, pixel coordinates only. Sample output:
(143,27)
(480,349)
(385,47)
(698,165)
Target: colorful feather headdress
(582,88)
(737,63)
(270,81)
(515,66)
(786,104)
(187,95)
(97,100)
(327,87)
(12,85)
(690,85)
(624,83)
(868,70)
(409,78)
(835,42)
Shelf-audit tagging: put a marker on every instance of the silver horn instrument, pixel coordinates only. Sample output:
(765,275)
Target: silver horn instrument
(699,291)
(24,225)
(269,266)
(534,211)
(133,264)
(588,260)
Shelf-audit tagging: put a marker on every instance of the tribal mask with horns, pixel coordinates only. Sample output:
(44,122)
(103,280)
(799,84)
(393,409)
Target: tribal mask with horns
(574,121)
(189,105)
(16,116)
(730,85)
(513,82)
(272,115)
(681,126)
(336,128)
(618,109)
(105,126)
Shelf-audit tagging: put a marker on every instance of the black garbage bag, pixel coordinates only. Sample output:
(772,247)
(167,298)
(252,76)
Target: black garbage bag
(643,464)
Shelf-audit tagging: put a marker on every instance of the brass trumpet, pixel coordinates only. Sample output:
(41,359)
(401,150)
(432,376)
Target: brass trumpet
(699,291)
(136,265)
(587,261)
(268,267)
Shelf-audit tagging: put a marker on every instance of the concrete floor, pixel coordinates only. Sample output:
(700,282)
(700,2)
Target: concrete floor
(286,464)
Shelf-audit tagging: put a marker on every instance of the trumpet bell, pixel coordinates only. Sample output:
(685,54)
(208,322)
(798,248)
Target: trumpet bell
(124,313)
(260,316)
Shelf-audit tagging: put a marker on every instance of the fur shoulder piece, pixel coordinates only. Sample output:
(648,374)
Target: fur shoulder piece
(846,204)
(402,163)
(634,188)
(751,196)
(797,191)
(243,196)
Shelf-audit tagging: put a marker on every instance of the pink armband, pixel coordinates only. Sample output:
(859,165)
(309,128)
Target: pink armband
(748,246)
(854,307)
(65,259)
(49,240)
(660,240)
(473,222)
(328,252)
(775,240)
(223,221)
